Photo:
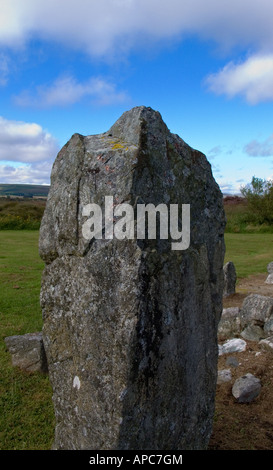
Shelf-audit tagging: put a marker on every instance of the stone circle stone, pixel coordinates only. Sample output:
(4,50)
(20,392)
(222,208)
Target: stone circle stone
(130,325)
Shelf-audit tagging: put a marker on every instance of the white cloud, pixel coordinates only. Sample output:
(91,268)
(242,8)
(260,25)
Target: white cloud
(229,188)
(26,174)
(252,79)
(260,149)
(25,142)
(67,90)
(114,26)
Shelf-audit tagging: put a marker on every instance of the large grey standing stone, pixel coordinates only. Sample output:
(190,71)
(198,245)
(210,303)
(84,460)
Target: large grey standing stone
(130,326)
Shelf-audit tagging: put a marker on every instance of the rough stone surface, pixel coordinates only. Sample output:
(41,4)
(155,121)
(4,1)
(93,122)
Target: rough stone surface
(27,352)
(270,267)
(267,344)
(224,375)
(256,310)
(268,326)
(230,324)
(246,388)
(130,326)
(230,278)
(232,361)
(253,333)
(232,345)
(269,279)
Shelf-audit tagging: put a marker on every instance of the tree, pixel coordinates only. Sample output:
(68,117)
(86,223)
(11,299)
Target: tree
(259,196)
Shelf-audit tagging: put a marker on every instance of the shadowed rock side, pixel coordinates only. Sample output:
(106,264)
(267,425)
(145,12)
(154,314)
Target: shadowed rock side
(130,326)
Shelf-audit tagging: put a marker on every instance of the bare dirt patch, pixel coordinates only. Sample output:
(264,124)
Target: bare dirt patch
(245,426)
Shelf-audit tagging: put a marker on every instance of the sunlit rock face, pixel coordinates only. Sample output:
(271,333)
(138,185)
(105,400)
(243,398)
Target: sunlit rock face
(130,325)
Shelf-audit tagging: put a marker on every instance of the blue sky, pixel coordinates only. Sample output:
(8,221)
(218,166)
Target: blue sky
(71,66)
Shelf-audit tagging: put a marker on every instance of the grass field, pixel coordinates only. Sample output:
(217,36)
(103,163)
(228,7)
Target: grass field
(250,252)
(26,412)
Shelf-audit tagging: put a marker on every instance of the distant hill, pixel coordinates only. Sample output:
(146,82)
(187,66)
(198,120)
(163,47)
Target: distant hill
(33,190)
(24,190)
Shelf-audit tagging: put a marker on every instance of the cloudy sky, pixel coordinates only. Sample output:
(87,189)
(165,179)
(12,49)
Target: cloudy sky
(71,66)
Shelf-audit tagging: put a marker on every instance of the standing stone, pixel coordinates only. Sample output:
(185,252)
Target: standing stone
(230,278)
(130,326)
(269,279)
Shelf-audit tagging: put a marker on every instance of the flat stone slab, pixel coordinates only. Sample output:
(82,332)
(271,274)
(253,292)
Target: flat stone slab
(27,351)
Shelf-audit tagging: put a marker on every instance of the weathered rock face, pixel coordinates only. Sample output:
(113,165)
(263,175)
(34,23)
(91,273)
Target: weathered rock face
(130,326)
(229,325)
(27,352)
(257,310)
(230,278)
(246,388)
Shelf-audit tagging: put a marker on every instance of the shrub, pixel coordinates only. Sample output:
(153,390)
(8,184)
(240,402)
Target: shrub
(259,196)
(18,215)
(14,222)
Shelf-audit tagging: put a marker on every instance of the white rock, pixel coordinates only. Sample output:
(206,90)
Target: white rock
(76,382)
(269,279)
(232,345)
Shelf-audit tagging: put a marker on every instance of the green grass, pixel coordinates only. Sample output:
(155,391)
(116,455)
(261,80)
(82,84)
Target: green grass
(26,411)
(249,245)
(250,252)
